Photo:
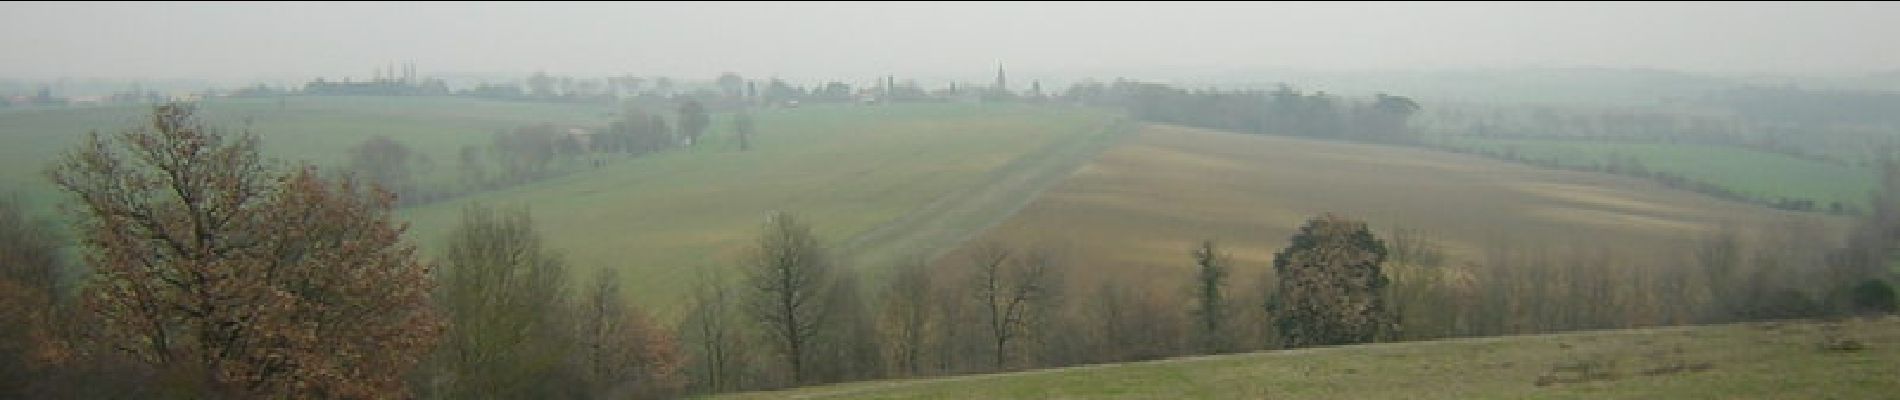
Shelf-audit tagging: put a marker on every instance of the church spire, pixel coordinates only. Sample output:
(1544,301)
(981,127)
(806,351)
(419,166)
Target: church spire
(1002,84)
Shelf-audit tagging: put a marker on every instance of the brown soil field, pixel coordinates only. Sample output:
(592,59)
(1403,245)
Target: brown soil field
(1139,208)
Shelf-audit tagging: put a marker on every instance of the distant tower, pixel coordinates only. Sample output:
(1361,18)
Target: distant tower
(1002,84)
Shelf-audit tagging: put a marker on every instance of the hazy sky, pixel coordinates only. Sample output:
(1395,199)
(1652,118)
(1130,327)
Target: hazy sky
(238,41)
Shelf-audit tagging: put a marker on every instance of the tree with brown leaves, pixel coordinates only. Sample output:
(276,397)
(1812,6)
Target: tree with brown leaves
(1330,288)
(622,352)
(228,277)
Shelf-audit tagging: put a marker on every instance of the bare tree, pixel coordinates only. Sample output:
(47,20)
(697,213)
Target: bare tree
(29,248)
(1136,323)
(847,346)
(474,171)
(1005,292)
(525,153)
(710,329)
(693,121)
(1719,256)
(742,128)
(621,352)
(385,162)
(505,295)
(29,269)
(907,317)
(789,275)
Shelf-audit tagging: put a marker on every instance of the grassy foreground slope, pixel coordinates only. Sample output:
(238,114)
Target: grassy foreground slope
(875,183)
(1744,361)
(1138,209)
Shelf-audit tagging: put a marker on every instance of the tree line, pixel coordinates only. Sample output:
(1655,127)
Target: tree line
(1283,111)
(535,152)
(210,272)
(732,91)
(1828,126)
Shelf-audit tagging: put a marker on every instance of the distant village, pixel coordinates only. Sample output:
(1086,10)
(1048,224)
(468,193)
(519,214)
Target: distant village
(726,91)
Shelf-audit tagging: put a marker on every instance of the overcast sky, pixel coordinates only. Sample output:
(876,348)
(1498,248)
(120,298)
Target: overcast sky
(238,41)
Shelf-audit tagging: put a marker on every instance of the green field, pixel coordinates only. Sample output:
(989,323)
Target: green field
(1748,172)
(1775,360)
(877,184)
(315,129)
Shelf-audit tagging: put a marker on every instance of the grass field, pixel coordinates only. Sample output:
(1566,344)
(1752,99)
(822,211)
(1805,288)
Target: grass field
(1747,172)
(877,184)
(1138,209)
(880,184)
(315,129)
(1775,360)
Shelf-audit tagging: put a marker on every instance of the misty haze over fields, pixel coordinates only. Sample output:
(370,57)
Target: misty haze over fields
(237,44)
(990,200)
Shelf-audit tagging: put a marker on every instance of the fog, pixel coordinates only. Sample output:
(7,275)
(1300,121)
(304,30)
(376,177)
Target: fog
(662,200)
(291,42)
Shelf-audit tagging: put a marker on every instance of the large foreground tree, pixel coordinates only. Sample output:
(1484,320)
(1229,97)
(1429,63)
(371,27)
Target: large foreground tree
(228,277)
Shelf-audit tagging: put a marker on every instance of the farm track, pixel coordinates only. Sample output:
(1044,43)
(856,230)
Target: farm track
(941,225)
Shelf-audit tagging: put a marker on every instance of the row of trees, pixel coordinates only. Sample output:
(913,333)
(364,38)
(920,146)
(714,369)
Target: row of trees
(517,329)
(530,153)
(1836,127)
(730,91)
(1282,111)
(797,318)
(1633,166)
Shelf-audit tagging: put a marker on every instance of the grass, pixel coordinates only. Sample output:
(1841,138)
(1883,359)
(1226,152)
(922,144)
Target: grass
(876,183)
(319,130)
(1137,210)
(1775,360)
(1748,172)
(880,184)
